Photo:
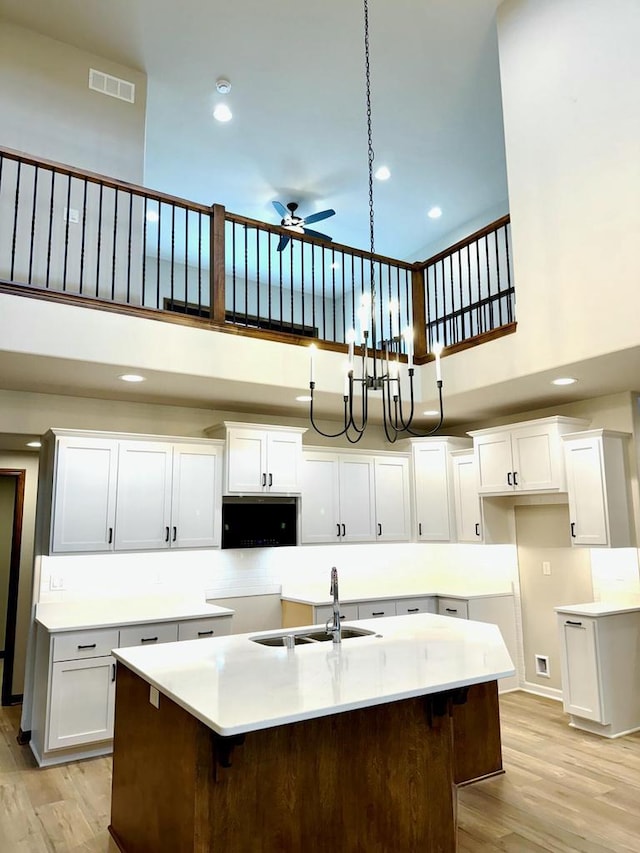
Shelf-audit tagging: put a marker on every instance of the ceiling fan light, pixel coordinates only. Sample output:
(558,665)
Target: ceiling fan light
(222,113)
(434,212)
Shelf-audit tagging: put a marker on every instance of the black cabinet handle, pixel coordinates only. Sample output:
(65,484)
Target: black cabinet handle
(110,535)
(89,646)
(509,483)
(166,534)
(420,529)
(379,613)
(338,533)
(149,640)
(450,610)
(574,624)
(379,529)
(477,529)
(175,534)
(205,633)
(515,478)
(271,479)
(413,610)
(344,530)
(573,530)
(113,672)
(264,479)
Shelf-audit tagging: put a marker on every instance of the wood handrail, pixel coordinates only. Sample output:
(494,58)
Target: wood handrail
(472,238)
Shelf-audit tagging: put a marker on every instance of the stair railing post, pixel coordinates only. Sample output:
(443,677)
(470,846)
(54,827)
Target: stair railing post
(217,264)
(419,313)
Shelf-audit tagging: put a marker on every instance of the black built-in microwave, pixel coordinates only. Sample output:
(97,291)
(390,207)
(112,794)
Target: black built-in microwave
(259,522)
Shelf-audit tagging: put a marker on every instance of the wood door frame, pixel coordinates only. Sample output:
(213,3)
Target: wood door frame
(20,476)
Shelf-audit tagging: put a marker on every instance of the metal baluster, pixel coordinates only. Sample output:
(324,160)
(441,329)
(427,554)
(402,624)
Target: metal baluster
(200,262)
(258,275)
(129,249)
(506,248)
(333,300)
(15,221)
(33,218)
(269,281)
(324,291)
(313,283)
(99,241)
(84,233)
(495,235)
(173,252)
(246,277)
(303,249)
(158,254)
(293,245)
(53,179)
(233,268)
(281,281)
(115,241)
(144,249)
(481,323)
(186,259)
(66,235)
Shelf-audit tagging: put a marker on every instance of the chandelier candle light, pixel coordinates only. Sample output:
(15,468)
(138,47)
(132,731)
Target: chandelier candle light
(378,371)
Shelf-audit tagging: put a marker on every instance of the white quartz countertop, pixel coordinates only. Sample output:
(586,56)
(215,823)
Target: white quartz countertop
(104,613)
(598,608)
(234,685)
(318,596)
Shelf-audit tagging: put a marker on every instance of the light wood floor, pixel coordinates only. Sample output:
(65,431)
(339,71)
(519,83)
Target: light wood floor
(563,791)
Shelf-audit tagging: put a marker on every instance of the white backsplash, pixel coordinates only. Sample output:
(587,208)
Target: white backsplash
(615,574)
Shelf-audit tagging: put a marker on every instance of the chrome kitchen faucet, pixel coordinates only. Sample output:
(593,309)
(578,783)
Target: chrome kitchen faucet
(335,629)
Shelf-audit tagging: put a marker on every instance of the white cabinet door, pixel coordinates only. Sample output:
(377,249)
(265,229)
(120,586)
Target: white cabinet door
(81,704)
(536,460)
(143,513)
(587,503)
(84,502)
(430,465)
(376,609)
(246,461)
(393,515)
(494,463)
(357,499)
(581,682)
(320,501)
(196,495)
(283,461)
(467,501)
(423,604)
(454,607)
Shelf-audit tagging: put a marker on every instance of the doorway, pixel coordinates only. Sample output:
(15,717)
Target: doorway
(12,485)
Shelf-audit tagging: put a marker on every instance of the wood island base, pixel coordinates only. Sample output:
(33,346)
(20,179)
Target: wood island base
(372,780)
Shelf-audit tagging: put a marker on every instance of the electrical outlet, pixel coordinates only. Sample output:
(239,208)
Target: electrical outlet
(546,568)
(56,582)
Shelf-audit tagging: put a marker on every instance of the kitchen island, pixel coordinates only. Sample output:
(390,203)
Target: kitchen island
(231,745)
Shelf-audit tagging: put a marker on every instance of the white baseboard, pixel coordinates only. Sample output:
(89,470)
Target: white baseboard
(541,690)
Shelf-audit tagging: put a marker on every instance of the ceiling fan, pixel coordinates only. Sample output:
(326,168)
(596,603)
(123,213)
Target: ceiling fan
(298,224)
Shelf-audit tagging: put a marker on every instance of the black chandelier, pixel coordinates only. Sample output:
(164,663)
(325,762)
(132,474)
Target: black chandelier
(378,372)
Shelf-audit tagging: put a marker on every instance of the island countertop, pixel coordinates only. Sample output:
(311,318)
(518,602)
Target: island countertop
(234,685)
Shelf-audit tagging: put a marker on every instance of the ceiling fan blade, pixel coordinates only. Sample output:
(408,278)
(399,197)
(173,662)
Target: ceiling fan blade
(280,208)
(323,214)
(317,234)
(283,242)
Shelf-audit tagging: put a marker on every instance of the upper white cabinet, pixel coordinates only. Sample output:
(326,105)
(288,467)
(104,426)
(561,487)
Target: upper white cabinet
(106,493)
(433,487)
(599,506)
(468,514)
(354,497)
(525,457)
(262,459)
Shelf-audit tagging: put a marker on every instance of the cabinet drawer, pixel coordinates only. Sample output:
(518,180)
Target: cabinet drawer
(149,635)
(425,604)
(212,626)
(373,609)
(348,612)
(84,644)
(453,607)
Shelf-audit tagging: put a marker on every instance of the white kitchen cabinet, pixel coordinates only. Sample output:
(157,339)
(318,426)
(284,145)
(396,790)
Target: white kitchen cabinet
(84,494)
(600,668)
(377,609)
(149,634)
(200,629)
(393,499)
(433,487)
(454,607)
(468,511)
(319,615)
(338,497)
(262,460)
(105,492)
(525,457)
(421,604)
(597,484)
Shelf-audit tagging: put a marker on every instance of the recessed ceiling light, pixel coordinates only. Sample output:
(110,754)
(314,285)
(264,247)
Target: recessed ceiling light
(304,398)
(563,380)
(222,113)
(34,444)
(383,173)
(431,413)
(132,377)
(152,216)
(434,213)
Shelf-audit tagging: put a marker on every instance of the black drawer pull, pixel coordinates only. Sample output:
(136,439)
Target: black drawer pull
(89,646)
(573,530)
(175,534)
(378,613)
(344,530)
(515,478)
(264,480)
(270,479)
(166,534)
(110,535)
(509,483)
(450,610)
(478,529)
(379,529)
(575,624)
(420,529)
(413,610)
(149,640)
(113,672)
(338,526)
(205,633)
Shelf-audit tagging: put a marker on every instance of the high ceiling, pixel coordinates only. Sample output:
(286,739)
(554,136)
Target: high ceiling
(298,99)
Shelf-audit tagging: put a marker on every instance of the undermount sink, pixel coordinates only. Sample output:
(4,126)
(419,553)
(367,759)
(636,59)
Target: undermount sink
(309,637)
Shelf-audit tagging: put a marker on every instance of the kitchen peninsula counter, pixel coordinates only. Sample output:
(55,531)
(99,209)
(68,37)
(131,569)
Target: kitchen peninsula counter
(274,749)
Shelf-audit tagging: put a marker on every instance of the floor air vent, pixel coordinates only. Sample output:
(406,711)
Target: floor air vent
(113,86)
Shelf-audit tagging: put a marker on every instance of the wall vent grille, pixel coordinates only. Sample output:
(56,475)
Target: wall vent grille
(112,86)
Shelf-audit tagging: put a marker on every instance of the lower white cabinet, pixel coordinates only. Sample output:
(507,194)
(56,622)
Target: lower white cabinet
(376,609)
(600,670)
(454,607)
(75,679)
(422,604)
